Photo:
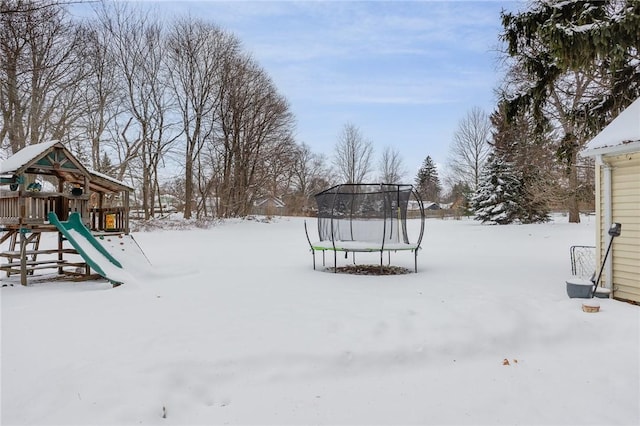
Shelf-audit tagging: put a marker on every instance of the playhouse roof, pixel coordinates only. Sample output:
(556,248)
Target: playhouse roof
(24,157)
(64,164)
(621,135)
(97,177)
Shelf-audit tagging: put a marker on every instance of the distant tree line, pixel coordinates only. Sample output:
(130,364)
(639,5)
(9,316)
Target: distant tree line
(129,94)
(133,96)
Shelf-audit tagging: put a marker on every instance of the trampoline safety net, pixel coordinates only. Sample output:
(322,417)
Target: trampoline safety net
(364,212)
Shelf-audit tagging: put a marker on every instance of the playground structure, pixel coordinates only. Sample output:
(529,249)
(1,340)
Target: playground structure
(367,218)
(45,189)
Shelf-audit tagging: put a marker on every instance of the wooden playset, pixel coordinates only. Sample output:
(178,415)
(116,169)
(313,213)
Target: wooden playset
(47,178)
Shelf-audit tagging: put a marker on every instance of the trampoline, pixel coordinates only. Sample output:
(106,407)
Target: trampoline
(367,218)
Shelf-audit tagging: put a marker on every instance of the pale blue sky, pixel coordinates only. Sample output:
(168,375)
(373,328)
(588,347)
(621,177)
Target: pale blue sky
(404,72)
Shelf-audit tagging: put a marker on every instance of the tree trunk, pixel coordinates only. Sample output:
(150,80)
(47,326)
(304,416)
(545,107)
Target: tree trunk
(572,201)
(188,186)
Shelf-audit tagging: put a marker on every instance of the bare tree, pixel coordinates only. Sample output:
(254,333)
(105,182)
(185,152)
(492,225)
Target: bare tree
(196,52)
(139,50)
(353,153)
(309,177)
(33,6)
(40,72)
(391,166)
(469,148)
(101,98)
(120,91)
(279,169)
(255,121)
(566,97)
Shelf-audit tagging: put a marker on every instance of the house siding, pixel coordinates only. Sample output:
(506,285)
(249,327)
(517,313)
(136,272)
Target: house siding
(625,202)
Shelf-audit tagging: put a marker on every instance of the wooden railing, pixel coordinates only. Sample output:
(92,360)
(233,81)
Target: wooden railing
(109,219)
(9,209)
(32,208)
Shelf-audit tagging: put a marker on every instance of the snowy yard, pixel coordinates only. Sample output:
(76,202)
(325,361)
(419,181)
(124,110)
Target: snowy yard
(239,329)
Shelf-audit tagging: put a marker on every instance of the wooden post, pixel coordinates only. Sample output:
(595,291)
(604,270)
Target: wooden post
(85,211)
(61,200)
(23,239)
(126,211)
(23,257)
(60,255)
(101,212)
(22,207)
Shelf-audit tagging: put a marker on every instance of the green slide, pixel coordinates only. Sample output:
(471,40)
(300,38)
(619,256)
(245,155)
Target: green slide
(84,243)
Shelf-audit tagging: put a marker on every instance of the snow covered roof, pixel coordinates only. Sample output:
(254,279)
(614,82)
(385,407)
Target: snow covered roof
(30,154)
(431,205)
(109,178)
(621,135)
(277,202)
(24,156)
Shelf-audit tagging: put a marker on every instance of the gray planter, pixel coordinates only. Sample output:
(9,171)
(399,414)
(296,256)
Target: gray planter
(579,288)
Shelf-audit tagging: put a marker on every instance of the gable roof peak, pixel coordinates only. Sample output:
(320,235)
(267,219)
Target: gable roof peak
(25,156)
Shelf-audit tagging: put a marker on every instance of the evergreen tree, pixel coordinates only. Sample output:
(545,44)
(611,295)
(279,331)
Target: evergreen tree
(600,36)
(517,142)
(577,67)
(106,165)
(498,197)
(428,182)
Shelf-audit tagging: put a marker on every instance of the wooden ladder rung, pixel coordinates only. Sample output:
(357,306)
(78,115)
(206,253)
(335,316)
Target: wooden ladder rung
(16,253)
(14,268)
(41,262)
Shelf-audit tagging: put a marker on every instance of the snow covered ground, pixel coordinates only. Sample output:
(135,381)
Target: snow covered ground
(235,327)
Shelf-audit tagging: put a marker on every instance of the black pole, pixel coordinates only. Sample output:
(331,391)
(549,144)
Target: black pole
(614,231)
